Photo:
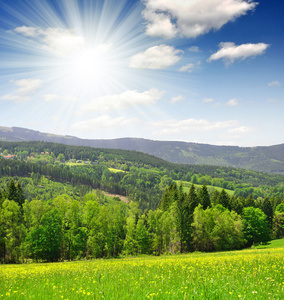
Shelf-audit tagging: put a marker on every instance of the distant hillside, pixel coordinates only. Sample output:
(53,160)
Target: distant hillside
(268,159)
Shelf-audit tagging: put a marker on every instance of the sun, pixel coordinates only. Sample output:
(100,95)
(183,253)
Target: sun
(88,65)
(91,62)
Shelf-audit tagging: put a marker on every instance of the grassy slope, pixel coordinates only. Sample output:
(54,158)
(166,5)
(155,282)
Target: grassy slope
(186,186)
(273,244)
(247,274)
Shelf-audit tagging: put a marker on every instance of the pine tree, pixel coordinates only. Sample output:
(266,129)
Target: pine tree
(12,191)
(20,194)
(189,204)
(266,207)
(249,201)
(204,197)
(214,198)
(224,199)
(170,195)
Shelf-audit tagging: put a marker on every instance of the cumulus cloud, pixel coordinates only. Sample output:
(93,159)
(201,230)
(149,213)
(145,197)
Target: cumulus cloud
(197,129)
(239,130)
(229,52)
(169,18)
(25,88)
(191,125)
(126,99)
(103,122)
(187,68)
(274,83)
(27,31)
(232,102)
(56,40)
(157,57)
(194,49)
(208,100)
(177,99)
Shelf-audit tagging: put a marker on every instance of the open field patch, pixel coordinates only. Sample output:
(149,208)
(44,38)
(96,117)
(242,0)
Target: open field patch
(247,274)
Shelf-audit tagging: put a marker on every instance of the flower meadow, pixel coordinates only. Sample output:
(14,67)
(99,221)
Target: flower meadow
(248,274)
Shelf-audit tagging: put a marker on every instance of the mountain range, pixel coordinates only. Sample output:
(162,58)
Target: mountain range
(269,159)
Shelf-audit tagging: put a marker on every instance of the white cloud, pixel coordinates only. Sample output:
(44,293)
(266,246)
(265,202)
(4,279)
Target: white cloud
(194,49)
(169,18)
(27,31)
(191,125)
(177,99)
(56,40)
(157,57)
(239,130)
(126,99)
(208,100)
(274,83)
(160,25)
(229,52)
(200,130)
(25,88)
(15,98)
(103,122)
(233,102)
(187,68)
(53,97)
(61,41)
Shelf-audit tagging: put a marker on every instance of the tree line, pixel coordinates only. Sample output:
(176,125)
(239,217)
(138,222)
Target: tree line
(93,226)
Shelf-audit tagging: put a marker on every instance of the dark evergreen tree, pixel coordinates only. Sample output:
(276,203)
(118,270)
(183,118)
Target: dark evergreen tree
(20,194)
(204,197)
(236,205)
(249,202)
(12,191)
(224,199)
(266,207)
(169,197)
(214,198)
(190,203)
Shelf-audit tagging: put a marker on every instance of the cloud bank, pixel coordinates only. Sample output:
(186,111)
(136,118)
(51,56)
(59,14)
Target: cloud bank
(191,18)
(124,100)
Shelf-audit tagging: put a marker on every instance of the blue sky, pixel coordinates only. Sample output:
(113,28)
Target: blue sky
(206,71)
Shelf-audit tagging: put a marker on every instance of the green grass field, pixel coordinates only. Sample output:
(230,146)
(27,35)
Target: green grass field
(273,244)
(116,170)
(186,186)
(247,274)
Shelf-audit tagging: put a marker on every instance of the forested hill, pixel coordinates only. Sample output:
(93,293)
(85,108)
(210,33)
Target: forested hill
(268,159)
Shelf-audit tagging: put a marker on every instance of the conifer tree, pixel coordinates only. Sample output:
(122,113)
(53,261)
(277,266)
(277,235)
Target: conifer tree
(204,197)
(249,202)
(189,204)
(224,199)
(266,207)
(12,191)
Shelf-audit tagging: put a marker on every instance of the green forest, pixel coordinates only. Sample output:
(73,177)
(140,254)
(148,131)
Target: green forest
(60,202)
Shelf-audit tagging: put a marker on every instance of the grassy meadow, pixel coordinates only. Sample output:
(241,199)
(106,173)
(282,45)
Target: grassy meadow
(246,274)
(186,187)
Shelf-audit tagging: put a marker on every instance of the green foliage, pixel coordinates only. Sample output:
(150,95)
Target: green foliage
(255,226)
(278,225)
(45,240)
(217,229)
(94,226)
